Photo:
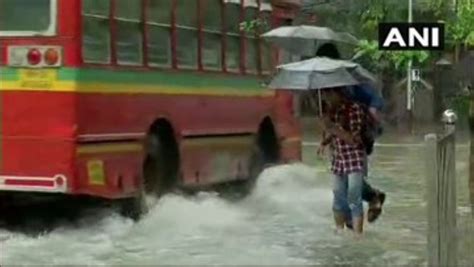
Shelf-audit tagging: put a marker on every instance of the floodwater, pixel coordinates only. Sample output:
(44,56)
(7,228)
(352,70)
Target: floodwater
(286,221)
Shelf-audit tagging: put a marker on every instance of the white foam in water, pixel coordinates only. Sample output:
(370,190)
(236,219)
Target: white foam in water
(286,221)
(203,229)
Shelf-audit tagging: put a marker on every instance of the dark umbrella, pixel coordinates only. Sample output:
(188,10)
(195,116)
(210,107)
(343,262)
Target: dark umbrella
(320,73)
(301,39)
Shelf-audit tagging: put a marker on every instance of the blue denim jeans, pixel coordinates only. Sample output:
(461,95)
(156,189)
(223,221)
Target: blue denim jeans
(347,191)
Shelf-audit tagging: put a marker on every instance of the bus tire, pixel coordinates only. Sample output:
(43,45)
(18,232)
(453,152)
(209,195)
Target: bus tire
(135,207)
(265,152)
(256,166)
(160,169)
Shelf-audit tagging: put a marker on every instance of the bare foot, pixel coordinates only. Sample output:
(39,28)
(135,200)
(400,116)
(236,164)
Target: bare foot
(338,231)
(358,236)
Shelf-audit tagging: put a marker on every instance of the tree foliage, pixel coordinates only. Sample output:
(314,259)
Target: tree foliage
(253,26)
(377,60)
(361,18)
(461,26)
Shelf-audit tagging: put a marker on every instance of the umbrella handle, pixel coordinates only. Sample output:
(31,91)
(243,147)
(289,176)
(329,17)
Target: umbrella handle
(320,103)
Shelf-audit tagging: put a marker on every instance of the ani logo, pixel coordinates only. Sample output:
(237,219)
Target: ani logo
(411,36)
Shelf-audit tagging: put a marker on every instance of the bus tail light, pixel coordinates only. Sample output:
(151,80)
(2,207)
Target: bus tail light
(60,180)
(51,56)
(34,56)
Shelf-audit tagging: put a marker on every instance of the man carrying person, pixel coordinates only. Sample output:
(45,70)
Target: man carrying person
(344,128)
(370,100)
(370,129)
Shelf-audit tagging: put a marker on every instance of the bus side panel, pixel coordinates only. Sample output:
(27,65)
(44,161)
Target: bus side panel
(38,135)
(119,162)
(190,115)
(288,127)
(107,172)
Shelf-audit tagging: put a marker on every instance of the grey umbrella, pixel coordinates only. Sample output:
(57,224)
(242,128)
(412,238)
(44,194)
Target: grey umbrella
(301,39)
(319,73)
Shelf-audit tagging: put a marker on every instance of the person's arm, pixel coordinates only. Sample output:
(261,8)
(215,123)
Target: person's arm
(375,107)
(376,101)
(369,96)
(376,118)
(341,133)
(326,140)
(335,130)
(356,119)
(355,126)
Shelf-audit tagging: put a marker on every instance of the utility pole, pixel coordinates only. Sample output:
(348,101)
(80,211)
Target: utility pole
(409,78)
(471,158)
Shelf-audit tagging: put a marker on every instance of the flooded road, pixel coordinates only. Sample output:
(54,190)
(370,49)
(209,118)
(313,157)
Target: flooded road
(286,221)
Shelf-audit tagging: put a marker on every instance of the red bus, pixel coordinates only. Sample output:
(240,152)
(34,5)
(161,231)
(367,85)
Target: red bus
(111,98)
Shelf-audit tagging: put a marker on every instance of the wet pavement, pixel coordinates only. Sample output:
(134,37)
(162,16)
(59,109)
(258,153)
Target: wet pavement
(286,221)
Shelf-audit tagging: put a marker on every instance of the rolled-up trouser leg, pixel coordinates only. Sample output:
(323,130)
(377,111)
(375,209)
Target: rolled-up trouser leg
(340,204)
(368,192)
(354,194)
(368,195)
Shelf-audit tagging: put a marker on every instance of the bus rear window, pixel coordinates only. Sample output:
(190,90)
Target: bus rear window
(25,17)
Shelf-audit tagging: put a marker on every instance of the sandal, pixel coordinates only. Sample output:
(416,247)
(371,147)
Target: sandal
(375,210)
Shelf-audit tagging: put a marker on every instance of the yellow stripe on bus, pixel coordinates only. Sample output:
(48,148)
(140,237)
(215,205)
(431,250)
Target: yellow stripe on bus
(111,88)
(57,86)
(109,148)
(219,141)
(157,89)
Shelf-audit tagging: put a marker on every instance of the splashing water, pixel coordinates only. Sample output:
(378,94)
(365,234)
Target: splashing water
(287,220)
(268,227)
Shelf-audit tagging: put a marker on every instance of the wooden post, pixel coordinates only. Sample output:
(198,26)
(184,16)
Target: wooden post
(441,198)
(431,147)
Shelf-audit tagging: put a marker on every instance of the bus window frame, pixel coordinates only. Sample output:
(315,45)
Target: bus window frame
(251,39)
(147,26)
(51,31)
(110,20)
(139,23)
(203,31)
(197,29)
(265,8)
(173,26)
(226,34)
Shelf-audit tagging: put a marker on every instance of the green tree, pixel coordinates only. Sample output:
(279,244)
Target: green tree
(460,27)
(362,18)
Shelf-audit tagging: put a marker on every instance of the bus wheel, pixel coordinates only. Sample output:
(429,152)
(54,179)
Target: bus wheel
(256,166)
(161,164)
(266,151)
(160,169)
(135,207)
